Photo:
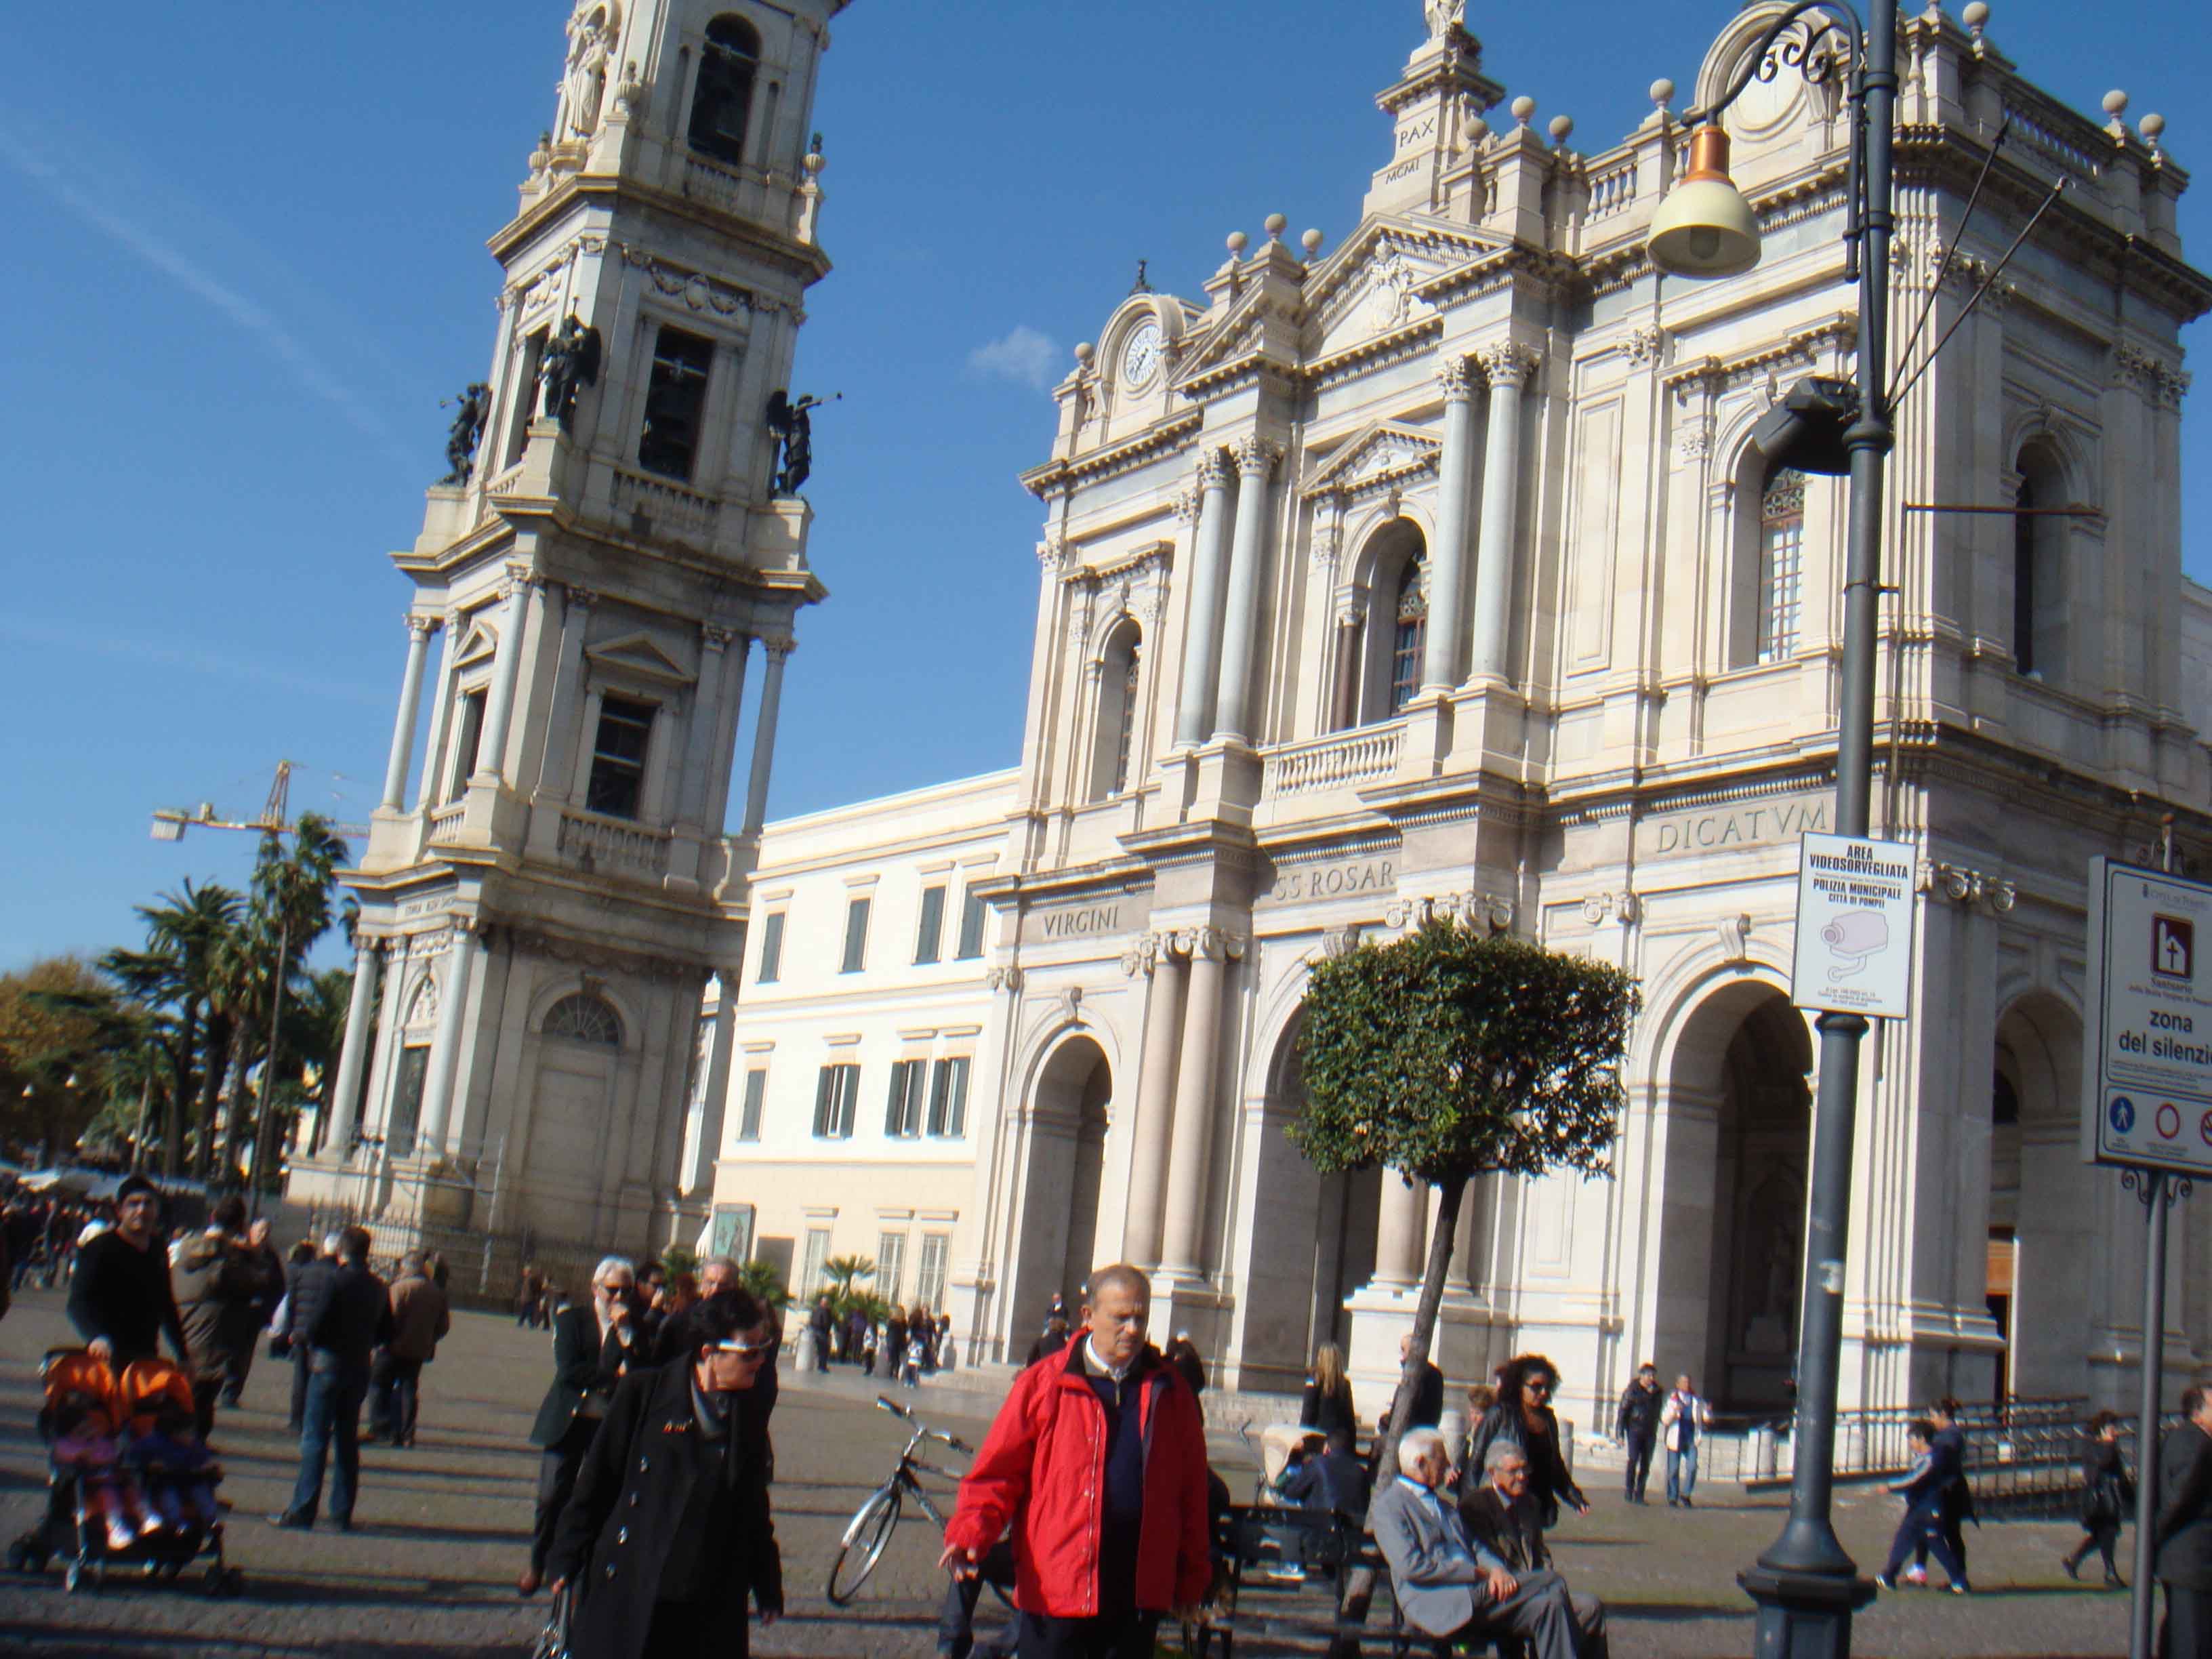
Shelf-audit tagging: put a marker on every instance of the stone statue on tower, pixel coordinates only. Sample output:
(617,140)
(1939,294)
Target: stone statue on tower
(1444,16)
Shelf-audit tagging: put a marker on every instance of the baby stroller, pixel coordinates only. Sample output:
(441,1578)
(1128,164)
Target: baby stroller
(98,1430)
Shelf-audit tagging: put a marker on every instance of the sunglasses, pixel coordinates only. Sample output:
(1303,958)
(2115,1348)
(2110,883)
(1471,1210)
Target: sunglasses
(745,1350)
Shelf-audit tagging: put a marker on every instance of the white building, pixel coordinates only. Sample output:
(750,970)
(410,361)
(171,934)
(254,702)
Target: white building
(1434,575)
(542,913)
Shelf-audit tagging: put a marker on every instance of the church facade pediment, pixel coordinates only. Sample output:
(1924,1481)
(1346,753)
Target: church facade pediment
(1382,456)
(1373,283)
(636,656)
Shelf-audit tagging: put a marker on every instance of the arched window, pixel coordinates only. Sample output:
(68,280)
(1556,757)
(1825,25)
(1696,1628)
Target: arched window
(1409,642)
(2038,566)
(582,1018)
(722,100)
(1116,740)
(1781,565)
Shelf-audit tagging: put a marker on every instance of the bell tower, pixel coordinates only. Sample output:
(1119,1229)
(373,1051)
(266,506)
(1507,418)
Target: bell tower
(615,559)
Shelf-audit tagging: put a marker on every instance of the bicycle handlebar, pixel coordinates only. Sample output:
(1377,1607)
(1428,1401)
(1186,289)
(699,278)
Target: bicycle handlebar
(906,1416)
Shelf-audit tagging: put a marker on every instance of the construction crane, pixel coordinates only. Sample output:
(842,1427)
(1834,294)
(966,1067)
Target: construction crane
(170,823)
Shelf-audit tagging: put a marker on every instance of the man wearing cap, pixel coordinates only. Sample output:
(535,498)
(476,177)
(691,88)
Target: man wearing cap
(119,1299)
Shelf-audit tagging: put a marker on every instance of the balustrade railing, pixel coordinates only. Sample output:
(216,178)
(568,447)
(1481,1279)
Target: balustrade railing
(616,845)
(669,506)
(445,821)
(1365,755)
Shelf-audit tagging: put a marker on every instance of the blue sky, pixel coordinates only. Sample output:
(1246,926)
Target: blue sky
(246,260)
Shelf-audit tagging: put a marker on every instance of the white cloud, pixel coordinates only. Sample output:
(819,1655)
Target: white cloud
(247,313)
(1021,355)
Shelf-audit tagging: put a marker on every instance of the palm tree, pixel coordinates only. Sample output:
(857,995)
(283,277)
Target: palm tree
(294,892)
(840,1273)
(175,971)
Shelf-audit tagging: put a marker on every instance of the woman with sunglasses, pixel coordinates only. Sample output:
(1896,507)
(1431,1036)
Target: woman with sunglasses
(1522,1416)
(669,1530)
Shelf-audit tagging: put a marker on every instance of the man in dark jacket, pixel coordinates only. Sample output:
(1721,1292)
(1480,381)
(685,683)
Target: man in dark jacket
(1097,1461)
(1428,1391)
(2184,1530)
(593,1349)
(345,1313)
(265,1280)
(1637,1423)
(1502,1517)
(1330,1478)
(281,1328)
(669,1528)
(211,1282)
(421,1316)
(120,1300)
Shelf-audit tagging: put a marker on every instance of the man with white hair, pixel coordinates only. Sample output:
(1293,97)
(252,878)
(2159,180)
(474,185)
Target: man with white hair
(1503,1518)
(593,1349)
(1449,1587)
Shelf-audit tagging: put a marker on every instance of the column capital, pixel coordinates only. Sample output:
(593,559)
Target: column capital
(1456,375)
(1256,457)
(1213,465)
(714,637)
(519,578)
(1207,943)
(581,598)
(778,646)
(1051,551)
(1508,362)
(450,619)
(420,627)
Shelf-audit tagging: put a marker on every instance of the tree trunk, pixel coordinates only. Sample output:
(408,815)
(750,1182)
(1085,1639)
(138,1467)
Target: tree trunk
(1359,1584)
(179,1092)
(217,1042)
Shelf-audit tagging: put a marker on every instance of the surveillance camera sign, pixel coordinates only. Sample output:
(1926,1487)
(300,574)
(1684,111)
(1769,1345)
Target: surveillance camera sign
(1855,910)
(2147,1067)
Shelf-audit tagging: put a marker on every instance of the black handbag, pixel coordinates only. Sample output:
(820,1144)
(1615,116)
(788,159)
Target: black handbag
(553,1640)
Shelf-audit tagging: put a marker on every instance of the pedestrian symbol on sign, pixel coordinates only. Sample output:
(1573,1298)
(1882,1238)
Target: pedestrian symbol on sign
(2122,1113)
(2173,946)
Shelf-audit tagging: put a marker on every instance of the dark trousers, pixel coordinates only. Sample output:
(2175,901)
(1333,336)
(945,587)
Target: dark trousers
(1641,1444)
(2103,1537)
(556,1480)
(2187,1633)
(1923,1528)
(236,1365)
(1128,1636)
(955,1618)
(687,1630)
(205,1390)
(298,1420)
(394,1386)
(334,1398)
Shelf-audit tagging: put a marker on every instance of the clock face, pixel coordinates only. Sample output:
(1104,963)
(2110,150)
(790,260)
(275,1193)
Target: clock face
(1141,356)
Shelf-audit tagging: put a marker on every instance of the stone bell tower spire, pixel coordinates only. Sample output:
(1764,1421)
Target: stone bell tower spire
(613,548)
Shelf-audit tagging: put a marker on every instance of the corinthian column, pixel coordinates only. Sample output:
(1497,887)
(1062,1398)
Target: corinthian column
(1401,1226)
(1201,636)
(779,651)
(1148,1161)
(345,1091)
(1240,643)
(419,629)
(1443,656)
(525,592)
(1191,1150)
(1507,366)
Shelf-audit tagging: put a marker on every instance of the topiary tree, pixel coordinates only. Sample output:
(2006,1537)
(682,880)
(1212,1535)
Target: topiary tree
(1450,1053)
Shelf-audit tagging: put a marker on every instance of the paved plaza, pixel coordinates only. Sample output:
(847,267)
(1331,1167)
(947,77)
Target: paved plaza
(443,1532)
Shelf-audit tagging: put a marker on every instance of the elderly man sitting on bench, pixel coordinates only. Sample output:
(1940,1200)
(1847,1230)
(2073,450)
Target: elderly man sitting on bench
(1502,1517)
(1449,1587)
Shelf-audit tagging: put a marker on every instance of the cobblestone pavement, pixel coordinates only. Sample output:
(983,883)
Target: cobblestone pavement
(441,1532)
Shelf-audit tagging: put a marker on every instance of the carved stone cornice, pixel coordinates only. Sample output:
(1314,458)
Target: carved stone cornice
(1474,909)
(2162,384)
(1968,889)
(1003,979)
(1623,908)
(554,947)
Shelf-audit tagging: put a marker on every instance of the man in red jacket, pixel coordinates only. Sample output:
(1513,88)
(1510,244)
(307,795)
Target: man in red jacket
(1097,1461)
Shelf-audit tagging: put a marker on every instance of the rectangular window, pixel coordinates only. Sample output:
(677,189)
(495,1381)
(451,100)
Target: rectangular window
(407,1100)
(618,780)
(929,937)
(467,742)
(1781,565)
(902,1111)
(948,1098)
(749,1115)
(929,1272)
(836,1093)
(890,1258)
(771,962)
(818,1256)
(674,398)
(971,925)
(525,397)
(856,936)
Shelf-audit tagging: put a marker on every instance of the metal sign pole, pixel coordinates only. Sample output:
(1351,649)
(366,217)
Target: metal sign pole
(2153,1186)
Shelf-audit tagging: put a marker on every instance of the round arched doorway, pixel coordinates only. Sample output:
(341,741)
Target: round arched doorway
(1065,1164)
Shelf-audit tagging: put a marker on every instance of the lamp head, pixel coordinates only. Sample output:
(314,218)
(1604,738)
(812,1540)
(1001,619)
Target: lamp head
(1704,228)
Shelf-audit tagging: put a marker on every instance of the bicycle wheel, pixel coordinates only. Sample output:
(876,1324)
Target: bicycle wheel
(863,1545)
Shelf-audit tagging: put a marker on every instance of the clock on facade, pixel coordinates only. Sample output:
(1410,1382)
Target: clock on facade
(1141,356)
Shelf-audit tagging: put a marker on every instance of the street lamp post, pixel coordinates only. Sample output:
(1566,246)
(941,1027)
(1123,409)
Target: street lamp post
(1805,1585)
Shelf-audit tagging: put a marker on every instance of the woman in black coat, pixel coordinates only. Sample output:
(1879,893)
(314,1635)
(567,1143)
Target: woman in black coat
(1326,1405)
(2107,1495)
(669,1530)
(1522,1416)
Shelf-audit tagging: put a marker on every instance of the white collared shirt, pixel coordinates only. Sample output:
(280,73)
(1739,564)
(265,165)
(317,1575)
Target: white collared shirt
(1094,1361)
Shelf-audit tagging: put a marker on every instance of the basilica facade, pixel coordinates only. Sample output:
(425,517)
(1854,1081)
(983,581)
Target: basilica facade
(1433,574)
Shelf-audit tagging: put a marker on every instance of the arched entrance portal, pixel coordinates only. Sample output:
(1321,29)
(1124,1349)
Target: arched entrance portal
(1311,1239)
(1060,1192)
(2043,1205)
(1739,1119)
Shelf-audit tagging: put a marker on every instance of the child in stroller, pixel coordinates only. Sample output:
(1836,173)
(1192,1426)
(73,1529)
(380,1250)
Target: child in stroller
(96,1513)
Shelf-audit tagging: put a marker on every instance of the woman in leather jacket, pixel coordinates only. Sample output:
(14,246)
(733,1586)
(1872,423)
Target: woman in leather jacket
(1522,1415)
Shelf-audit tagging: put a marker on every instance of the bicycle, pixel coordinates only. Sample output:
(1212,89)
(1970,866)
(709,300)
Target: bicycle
(871,1527)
